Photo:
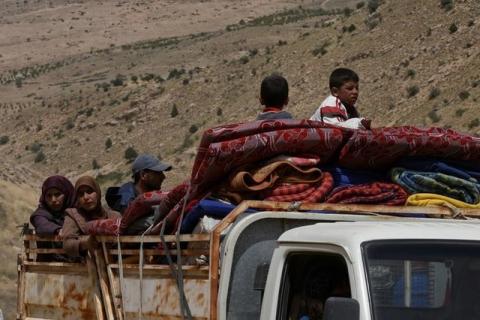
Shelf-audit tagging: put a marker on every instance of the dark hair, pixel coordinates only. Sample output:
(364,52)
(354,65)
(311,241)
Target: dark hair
(340,76)
(136,177)
(274,90)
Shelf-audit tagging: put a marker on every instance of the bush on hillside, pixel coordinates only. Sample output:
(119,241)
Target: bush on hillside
(446,4)
(174,111)
(39,157)
(4,140)
(412,91)
(434,92)
(130,154)
(108,143)
(453,28)
(463,95)
(373,5)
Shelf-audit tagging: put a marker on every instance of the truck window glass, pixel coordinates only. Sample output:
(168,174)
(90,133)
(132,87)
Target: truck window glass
(423,279)
(308,280)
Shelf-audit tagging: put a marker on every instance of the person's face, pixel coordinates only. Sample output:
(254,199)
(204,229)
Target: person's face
(347,93)
(87,198)
(54,199)
(152,180)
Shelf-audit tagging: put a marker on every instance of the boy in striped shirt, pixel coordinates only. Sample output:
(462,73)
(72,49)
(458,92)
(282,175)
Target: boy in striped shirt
(339,107)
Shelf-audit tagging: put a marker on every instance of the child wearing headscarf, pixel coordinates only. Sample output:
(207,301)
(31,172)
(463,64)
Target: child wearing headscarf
(57,196)
(88,207)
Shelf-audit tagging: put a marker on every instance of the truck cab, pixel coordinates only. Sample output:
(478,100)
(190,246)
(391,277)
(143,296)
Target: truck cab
(421,269)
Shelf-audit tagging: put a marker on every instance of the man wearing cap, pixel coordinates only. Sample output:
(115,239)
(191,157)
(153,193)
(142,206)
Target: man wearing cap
(148,175)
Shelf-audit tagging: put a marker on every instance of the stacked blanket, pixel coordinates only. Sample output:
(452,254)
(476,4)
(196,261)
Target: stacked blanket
(280,179)
(303,160)
(371,193)
(437,183)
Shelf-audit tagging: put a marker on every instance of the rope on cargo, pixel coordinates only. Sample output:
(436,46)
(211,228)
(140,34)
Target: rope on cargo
(294,206)
(140,262)
(183,299)
(120,272)
(177,271)
(456,212)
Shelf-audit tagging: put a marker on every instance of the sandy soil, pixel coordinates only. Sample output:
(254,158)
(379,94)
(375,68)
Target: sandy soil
(52,33)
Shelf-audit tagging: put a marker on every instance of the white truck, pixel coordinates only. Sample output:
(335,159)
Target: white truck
(285,261)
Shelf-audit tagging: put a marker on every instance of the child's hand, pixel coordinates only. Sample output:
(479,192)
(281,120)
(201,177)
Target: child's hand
(366,123)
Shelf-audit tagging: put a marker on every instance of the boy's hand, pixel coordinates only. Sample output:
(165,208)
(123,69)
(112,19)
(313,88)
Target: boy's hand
(366,123)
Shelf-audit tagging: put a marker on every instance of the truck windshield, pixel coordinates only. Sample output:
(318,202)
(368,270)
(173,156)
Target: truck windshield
(423,279)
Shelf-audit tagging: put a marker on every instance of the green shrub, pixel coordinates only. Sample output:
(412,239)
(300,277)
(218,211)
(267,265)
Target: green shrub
(446,4)
(412,91)
(321,49)
(434,92)
(434,116)
(193,128)
(453,28)
(460,112)
(130,154)
(174,111)
(175,73)
(474,123)
(35,147)
(463,95)
(69,124)
(95,164)
(147,77)
(4,140)
(118,81)
(108,143)
(360,5)
(39,157)
(373,5)
(411,73)
(350,28)
(244,60)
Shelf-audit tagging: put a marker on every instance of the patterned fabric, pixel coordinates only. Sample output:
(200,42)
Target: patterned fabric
(106,227)
(381,147)
(286,189)
(222,149)
(140,207)
(315,193)
(439,183)
(266,176)
(371,193)
(430,199)
(299,161)
(429,165)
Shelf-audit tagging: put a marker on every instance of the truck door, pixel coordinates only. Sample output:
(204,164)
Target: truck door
(308,280)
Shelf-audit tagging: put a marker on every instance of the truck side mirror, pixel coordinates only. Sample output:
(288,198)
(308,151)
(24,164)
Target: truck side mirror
(341,309)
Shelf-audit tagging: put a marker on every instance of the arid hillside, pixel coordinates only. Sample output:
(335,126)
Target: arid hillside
(85,85)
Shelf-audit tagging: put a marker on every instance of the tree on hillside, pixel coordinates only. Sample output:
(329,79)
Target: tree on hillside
(130,154)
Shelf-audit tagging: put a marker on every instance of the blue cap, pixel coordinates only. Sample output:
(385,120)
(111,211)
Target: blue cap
(149,162)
